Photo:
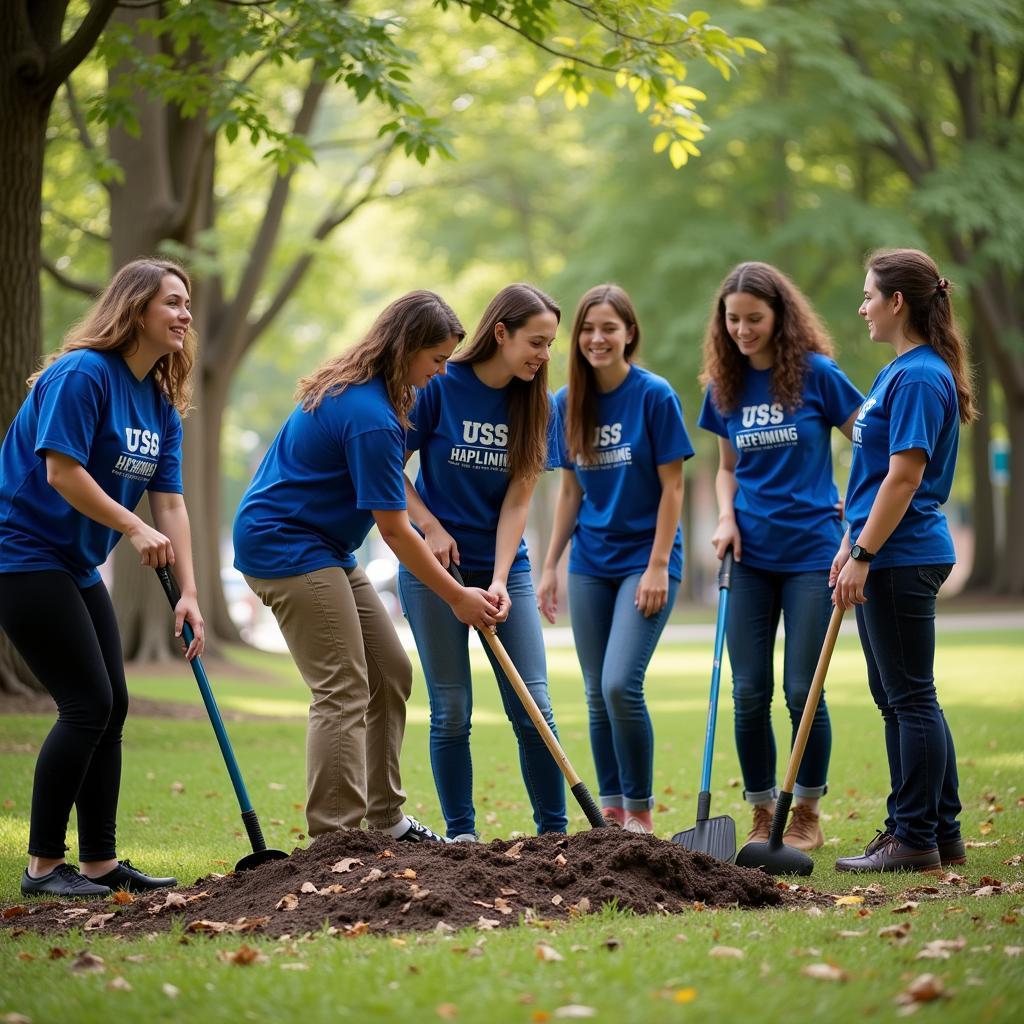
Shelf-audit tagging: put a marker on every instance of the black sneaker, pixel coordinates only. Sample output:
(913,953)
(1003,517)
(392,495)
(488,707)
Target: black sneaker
(63,880)
(131,879)
(952,851)
(418,833)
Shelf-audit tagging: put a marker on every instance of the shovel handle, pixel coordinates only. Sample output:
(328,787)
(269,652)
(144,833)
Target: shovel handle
(813,697)
(577,787)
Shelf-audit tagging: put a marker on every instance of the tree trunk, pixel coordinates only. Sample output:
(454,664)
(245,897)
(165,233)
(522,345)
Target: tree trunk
(983,520)
(1011,577)
(22,137)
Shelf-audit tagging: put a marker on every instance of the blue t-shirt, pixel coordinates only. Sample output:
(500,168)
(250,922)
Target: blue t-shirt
(786,496)
(912,404)
(311,502)
(90,406)
(460,428)
(639,428)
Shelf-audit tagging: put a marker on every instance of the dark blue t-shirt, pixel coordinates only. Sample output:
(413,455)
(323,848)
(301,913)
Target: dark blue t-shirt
(912,404)
(311,502)
(786,496)
(639,428)
(460,428)
(90,406)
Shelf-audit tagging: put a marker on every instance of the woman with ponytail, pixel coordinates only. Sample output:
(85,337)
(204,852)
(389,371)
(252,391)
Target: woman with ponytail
(898,551)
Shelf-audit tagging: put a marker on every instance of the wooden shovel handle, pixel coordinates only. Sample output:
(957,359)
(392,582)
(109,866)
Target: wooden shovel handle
(813,697)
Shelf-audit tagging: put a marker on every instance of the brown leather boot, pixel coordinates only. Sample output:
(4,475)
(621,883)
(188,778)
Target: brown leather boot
(762,824)
(804,829)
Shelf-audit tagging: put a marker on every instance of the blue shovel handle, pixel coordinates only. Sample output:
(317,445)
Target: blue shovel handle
(170,586)
(724,583)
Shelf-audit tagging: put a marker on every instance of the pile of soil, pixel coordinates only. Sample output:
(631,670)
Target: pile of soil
(357,882)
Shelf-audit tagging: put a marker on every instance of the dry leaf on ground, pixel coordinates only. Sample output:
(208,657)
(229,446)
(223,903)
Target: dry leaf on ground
(825,972)
(287,902)
(545,952)
(727,952)
(345,865)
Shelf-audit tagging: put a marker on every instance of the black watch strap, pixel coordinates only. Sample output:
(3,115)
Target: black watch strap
(859,554)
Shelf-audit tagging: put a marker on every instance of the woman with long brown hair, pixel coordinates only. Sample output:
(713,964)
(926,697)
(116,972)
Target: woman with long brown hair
(621,450)
(482,435)
(898,550)
(773,396)
(101,426)
(334,469)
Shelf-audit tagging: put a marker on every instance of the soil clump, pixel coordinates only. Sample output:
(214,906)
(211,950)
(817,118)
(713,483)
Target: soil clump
(357,882)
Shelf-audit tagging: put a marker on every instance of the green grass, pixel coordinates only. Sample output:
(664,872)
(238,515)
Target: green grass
(661,969)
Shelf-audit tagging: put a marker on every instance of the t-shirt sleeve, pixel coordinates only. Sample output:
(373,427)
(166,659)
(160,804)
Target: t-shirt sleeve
(839,398)
(423,418)
(562,459)
(917,412)
(70,409)
(669,438)
(376,463)
(167,477)
(710,418)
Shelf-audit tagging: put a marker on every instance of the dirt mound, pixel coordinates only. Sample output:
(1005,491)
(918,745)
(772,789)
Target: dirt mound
(359,882)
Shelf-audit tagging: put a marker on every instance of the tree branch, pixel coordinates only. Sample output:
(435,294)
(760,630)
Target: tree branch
(337,216)
(82,287)
(66,58)
(1013,104)
(900,148)
(78,118)
(236,314)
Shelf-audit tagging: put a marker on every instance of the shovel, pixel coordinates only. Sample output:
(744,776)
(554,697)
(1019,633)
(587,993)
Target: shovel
(713,836)
(773,856)
(260,852)
(577,787)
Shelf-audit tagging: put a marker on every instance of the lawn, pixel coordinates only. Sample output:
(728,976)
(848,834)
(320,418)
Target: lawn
(178,816)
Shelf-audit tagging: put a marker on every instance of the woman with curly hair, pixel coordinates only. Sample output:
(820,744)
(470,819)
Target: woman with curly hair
(101,426)
(898,550)
(773,395)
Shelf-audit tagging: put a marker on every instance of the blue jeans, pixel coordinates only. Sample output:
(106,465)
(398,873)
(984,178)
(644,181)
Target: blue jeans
(614,643)
(757,600)
(442,642)
(897,632)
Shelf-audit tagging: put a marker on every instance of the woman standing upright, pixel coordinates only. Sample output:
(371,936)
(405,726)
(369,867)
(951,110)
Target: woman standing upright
(773,396)
(621,449)
(100,427)
(482,434)
(334,469)
(898,551)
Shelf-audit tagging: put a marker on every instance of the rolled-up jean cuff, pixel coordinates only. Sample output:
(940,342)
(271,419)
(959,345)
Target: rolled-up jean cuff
(764,797)
(612,800)
(638,805)
(810,792)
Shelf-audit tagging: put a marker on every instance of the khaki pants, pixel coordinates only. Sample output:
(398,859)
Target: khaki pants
(349,655)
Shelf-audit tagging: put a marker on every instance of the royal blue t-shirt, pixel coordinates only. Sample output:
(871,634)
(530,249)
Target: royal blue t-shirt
(786,496)
(311,502)
(460,428)
(90,406)
(912,404)
(639,428)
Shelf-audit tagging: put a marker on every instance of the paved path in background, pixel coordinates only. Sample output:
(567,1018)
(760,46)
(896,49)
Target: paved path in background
(270,639)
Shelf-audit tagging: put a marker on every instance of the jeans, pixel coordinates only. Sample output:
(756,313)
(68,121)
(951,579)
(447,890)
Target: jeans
(69,639)
(759,597)
(442,643)
(897,632)
(614,643)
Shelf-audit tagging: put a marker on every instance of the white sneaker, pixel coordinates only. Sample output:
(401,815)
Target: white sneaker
(465,837)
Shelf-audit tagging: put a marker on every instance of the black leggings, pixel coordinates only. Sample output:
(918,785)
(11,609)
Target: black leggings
(70,640)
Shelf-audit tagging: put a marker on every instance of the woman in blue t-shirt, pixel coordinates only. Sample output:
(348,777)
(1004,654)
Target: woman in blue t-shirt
(334,469)
(773,396)
(482,434)
(101,426)
(898,550)
(621,450)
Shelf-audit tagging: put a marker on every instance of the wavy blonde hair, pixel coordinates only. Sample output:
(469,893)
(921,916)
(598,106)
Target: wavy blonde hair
(418,320)
(114,321)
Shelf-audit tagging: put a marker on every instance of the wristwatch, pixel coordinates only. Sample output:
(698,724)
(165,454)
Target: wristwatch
(859,554)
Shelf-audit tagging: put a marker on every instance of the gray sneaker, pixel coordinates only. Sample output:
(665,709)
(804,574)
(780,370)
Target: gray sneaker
(63,880)
(465,837)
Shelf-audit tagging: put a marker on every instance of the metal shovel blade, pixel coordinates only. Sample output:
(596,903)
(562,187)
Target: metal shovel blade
(713,836)
(775,858)
(258,858)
